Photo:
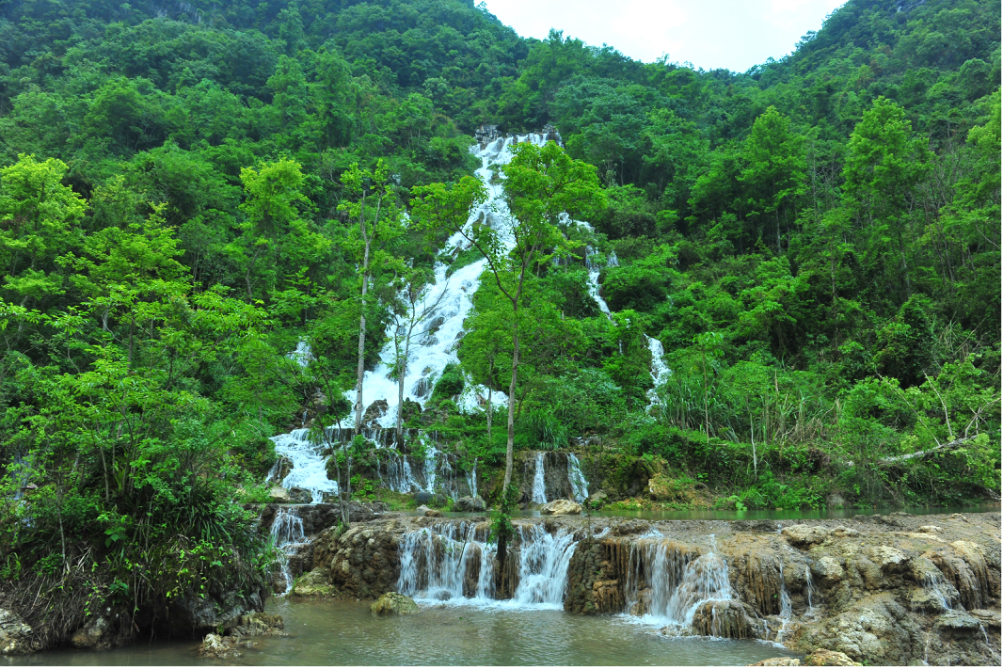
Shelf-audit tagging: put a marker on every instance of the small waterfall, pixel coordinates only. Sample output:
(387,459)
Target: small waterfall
(613,260)
(933,581)
(399,477)
(453,562)
(659,369)
(785,606)
(809,586)
(539,481)
(471,479)
(287,533)
(430,468)
(593,286)
(302,355)
(579,485)
(668,582)
(309,466)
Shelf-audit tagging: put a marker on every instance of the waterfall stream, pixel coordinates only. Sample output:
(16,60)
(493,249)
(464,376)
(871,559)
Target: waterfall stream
(579,485)
(453,562)
(287,532)
(539,480)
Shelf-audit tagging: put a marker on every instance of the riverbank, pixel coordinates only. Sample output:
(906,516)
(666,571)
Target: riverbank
(887,589)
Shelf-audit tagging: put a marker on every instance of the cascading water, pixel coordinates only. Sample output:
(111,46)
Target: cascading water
(668,582)
(785,606)
(454,563)
(287,533)
(659,369)
(593,286)
(309,466)
(302,355)
(539,480)
(809,586)
(471,479)
(579,485)
(451,300)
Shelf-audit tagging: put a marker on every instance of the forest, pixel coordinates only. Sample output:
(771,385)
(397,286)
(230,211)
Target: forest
(189,190)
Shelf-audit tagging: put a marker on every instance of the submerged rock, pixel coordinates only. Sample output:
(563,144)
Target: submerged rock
(15,634)
(215,646)
(561,506)
(391,604)
(258,624)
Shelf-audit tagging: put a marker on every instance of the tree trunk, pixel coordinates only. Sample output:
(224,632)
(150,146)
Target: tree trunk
(401,373)
(511,402)
(361,326)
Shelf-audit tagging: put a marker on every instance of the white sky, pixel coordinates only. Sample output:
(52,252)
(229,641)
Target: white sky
(711,34)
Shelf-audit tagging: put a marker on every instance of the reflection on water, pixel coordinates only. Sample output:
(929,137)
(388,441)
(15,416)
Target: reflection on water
(345,633)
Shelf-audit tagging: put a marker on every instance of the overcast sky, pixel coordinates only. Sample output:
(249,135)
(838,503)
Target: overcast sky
(732,34)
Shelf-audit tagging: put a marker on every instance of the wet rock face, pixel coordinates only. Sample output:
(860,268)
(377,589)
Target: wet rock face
(364,562)
(393,604)
(561,507)
(103,631)
(728,619)
(15,634)
(219,609)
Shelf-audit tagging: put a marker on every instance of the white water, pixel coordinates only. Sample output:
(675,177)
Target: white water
(785,606)
(677,581)
(452,562)
(309,466)
(287,532)
(659,369)
(539,481)
(579,485)
(302,355)
(810,593)
(593,272)
(431,351)
(471,480)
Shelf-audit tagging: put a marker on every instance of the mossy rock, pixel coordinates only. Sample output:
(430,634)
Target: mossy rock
(314,584)
(664,488)
(393,604)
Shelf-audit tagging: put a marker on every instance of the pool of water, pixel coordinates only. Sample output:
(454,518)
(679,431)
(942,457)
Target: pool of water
(345,633)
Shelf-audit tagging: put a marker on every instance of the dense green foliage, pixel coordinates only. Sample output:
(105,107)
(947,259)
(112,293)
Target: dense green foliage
(815,242)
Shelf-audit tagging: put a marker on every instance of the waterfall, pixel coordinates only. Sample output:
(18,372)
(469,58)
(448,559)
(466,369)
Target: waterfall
(287,533)
(450,298)
(452,562)
(539,481)
(785,606)
(302,355)
(579,485)
(810,593)
(399,477)
(309,466)
(471,479)
(667,582)
(659,369)
(593,286)
(430,469)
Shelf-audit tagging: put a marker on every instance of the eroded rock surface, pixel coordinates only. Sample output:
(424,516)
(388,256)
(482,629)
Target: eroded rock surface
(394,604)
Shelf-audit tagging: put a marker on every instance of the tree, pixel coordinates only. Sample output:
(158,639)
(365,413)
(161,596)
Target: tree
(379,222)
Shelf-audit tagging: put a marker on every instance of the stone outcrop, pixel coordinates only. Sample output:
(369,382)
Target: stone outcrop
(561,506)
(393,604)
(364,561)
(16,637)
(219,648)
(314,584)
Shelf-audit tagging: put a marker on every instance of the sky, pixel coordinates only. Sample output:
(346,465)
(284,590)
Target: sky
(711,34)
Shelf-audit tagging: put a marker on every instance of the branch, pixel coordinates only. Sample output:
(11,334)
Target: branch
(914,455)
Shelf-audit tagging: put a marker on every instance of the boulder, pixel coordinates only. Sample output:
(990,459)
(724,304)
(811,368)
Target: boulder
(598,499)
(728,619)
(315,583)
(432,513)
(217,647)
(777,662)
(279,494)
(258,624)
(561,506)
(422,498)
(218,610)
(805,536)
(423,508)
(300,496)
(15,634)
(279,471)
(392,604)
(99,633)
(957,621)
(470,504)
(825,657)
(376,411)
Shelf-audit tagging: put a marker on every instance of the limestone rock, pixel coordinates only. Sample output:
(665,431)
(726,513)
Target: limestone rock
(828,568)
(930,529)
(842,532)
(259,624)
(300,496)
(728,619)
(432,513)
(561,506)
(15,634)
(376,411)
(824,657)
(888,559)
(214,646)
(958,622)
(598,499)
(876,629)
(279,494)
(988,617)
(805,536)
(777,662)
(471,504)
(390,604)
(315,583)
(97,634)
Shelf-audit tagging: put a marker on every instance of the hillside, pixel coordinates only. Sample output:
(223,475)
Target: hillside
(188,193)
